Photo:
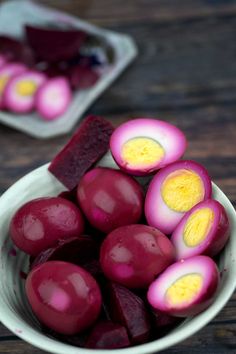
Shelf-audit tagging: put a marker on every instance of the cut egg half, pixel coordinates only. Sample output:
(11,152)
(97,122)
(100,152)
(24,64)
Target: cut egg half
(185,288)
(142,146)
(203,230)
(6,73)
(173,191)
(53,98)
(20,92)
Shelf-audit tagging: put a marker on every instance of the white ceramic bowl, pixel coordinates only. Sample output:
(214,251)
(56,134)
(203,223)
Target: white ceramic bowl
(15,312)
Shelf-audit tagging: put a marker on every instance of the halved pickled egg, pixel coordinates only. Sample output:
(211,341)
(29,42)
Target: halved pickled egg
(185,288)
(173,191)
(53,98)
(142,146)
(19,95)
(6,72)
(203,230)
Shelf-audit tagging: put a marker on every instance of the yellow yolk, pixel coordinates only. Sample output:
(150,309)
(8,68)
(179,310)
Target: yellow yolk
(3,82)
(26,88)
(198,226)
(142,151)
(182,189)
(184,290)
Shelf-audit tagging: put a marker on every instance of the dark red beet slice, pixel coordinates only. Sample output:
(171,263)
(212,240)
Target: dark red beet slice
(15,50)
(129,310)
(82,77)
(163,323)
(81,250)
(108,335)
(94,268)
(163,320)
(70,195)
(89,143)
(54,44)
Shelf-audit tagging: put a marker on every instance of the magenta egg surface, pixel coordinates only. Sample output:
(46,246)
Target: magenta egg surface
(109,198)
(173,191)
(40,223)
(63,296)
(185,288)
(53,98)
(203,230)
(6,73)
(19,95)
(134,255)
(144,145)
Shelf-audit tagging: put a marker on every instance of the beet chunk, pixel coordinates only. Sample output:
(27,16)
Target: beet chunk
(163,323)
(82,77)
(86,147)
(163,319)
(70,195)
(129,310)
(15,50)
(81,250)
(54,44)
(108,335)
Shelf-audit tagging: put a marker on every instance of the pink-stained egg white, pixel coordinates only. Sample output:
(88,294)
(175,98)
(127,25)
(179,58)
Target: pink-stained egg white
(173,191)
(144,145)
(20,92)
(203,230)
(6,73)
(185,288)
(53,98)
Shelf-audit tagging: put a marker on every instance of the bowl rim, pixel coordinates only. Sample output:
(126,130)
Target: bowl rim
(42,341)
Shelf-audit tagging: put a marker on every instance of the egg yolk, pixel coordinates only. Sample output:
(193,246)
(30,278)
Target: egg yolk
(198,226)
(3,82)
(182,189)
(142,151)
(26,88)
(184,290)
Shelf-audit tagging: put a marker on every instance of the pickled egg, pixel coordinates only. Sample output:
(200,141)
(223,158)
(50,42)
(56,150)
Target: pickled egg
(63,296)
(19,95)
(53,98)
(203,230)
(142,146)
(6,72)
(173,191)
(185,288)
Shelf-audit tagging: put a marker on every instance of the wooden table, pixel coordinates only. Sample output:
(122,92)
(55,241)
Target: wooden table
(186,74)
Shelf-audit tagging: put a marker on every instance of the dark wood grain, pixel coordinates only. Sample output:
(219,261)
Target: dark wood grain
(186,74)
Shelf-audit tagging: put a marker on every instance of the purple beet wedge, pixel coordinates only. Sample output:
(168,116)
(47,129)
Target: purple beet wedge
(129,310)
(89,143)
(54,44)
(79,250)
(108,335)
(15,50)
(82,77)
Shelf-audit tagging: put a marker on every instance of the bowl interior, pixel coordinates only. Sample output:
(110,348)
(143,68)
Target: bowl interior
(15,311)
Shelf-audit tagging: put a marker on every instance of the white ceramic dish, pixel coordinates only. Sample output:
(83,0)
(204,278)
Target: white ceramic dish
(13,15)
(15,312)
